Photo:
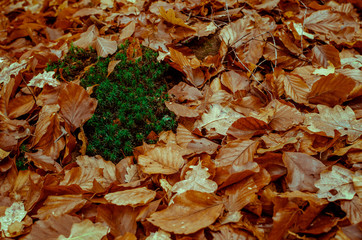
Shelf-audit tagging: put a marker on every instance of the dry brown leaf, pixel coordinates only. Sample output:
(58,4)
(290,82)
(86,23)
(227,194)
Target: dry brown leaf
(190,212)
(237,152)
(235,81)
(20,106)
(48,132)
(353,209)
(52,228)
(240,194)
(164,160)
(43,161)
(58,205)
(323,54)
(120,219)
(330,119)
(132,197)
(303,171)
(331,90)
(280,116)
(182,110)
(76,106)
(184,92)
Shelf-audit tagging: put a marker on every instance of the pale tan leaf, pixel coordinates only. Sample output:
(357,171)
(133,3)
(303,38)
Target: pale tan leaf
(357,183)
(87,38)
(196,179)
(112,64)
(11,70)
(128,31)
(330,119)
(15,213)
(170,16)
(217,119)
(164,160)
(44,78)
(159,235)
(182,110)
(336,184)
(86,230)
(132,197)
(190,212)
(59,205)
(105,47)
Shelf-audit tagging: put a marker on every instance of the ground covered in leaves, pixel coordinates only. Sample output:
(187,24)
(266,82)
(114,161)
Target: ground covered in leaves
(268,143)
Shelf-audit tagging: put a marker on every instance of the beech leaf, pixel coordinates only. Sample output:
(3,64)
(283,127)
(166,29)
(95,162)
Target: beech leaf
(190,212)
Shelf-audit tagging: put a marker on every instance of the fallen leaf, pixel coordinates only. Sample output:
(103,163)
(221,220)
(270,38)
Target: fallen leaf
(331,90)
(132,197)
(190,212)
(86,230)
(14,213)
(353,209)
(162,160)
(76,106)
(330,119)
(105,47)
(323,54)
(59,205)
(44,78)
(303,171)
(336,184)
(52,227)
(196,179)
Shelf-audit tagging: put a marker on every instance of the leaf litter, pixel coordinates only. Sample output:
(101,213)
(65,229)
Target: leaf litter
(268,144)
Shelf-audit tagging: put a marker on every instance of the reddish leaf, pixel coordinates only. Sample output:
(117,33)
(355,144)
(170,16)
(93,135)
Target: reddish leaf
(75,105)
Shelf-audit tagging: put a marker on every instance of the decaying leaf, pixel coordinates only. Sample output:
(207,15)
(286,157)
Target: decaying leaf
(336,184)
(330,119)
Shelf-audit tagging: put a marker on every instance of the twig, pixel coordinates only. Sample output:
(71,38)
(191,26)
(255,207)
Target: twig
(32,94)
(275,50)
(301,36)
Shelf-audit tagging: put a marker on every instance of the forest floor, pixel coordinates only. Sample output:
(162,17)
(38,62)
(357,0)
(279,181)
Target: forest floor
(268,101)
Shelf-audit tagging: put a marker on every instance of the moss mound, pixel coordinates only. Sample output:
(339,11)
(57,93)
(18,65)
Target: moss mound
(130,100)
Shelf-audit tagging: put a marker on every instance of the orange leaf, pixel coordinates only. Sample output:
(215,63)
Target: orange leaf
(170,16)
(76,106)
(324,53)
(132,197)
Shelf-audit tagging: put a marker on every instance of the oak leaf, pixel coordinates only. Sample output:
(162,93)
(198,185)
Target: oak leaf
(190,212)
(196,179)
(330,119)
(44,78)
(336,184)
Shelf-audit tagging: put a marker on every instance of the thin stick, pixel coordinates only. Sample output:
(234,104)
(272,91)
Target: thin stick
(301,36)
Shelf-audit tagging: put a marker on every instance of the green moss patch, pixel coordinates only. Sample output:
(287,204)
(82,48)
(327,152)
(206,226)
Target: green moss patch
(130,100)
